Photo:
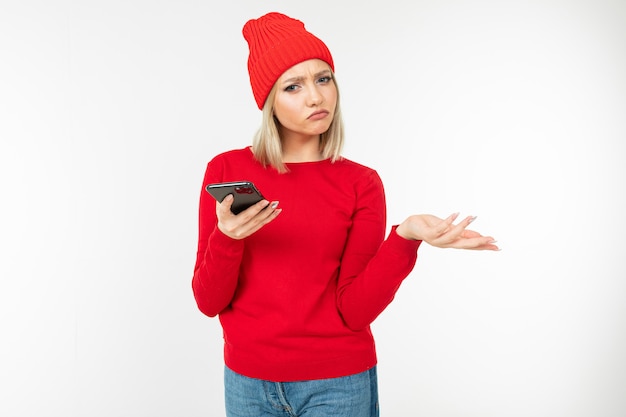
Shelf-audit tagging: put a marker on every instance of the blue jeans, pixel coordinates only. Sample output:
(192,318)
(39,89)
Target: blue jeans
(349,396)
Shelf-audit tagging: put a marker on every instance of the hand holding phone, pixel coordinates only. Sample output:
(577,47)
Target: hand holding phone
(244,192)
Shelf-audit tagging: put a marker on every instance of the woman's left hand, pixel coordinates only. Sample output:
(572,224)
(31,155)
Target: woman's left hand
(443,233)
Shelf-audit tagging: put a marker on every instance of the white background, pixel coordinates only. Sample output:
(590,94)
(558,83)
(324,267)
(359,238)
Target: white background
(512,111)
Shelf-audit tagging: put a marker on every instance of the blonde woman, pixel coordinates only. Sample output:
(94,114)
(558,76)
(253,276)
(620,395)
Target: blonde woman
(297,279)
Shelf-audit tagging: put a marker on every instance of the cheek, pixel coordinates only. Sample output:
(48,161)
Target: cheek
(278,113)
(283,110)
(331,97)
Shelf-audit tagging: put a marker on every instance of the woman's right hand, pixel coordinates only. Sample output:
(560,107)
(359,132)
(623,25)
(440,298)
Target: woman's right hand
(244,224)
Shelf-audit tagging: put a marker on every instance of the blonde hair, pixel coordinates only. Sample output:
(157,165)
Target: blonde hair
(267,147)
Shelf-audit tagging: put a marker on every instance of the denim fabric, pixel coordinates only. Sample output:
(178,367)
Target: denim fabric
(349,396)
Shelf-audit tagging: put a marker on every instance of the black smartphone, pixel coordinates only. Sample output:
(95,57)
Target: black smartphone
(244,192)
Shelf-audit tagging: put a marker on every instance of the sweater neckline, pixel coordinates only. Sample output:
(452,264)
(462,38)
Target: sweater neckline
(307,163)
(297,164)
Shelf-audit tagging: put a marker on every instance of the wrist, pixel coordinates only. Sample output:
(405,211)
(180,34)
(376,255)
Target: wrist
(403,232)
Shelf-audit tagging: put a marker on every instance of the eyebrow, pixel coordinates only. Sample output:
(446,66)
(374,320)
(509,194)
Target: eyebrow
(300,78)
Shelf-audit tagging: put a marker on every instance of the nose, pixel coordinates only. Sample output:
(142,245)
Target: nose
(315,97)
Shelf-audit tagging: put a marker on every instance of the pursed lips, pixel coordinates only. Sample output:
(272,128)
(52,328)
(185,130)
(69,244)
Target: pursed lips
(320,114)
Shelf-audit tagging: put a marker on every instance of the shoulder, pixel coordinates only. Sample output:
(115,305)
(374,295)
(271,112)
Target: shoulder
(356,171)
(233,158)
(365,184)
(222,165)
(233,155)
(352,166)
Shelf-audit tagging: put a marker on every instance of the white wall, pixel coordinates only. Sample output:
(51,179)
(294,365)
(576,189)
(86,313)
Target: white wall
(512,111)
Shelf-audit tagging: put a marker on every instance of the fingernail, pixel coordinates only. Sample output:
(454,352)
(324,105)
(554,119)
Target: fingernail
(472,219)
(274,204)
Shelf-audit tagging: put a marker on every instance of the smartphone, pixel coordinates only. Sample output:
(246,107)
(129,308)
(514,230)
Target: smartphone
(244,192)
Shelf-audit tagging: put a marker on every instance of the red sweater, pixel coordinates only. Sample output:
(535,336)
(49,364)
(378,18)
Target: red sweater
(296,299)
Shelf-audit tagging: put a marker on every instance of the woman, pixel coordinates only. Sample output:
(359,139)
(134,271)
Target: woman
(296,284)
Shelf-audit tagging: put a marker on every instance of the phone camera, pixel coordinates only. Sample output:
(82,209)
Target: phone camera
(243,190)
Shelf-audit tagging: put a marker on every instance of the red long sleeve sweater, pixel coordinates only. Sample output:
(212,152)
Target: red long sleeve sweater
(296,299)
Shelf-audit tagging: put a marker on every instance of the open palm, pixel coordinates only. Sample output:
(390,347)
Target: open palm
(443,233)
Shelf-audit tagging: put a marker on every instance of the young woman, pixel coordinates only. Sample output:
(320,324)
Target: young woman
(296,284)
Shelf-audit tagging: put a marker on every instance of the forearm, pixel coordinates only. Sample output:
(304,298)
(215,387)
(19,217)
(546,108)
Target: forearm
(216,273)
(362,297)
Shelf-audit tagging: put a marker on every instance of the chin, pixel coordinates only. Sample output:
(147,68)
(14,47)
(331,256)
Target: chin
(321,129)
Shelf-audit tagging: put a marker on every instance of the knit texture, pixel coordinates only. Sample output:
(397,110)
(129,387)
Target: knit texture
(296,298)
(278,42)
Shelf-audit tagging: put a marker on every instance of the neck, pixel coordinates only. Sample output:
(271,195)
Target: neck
(302,150)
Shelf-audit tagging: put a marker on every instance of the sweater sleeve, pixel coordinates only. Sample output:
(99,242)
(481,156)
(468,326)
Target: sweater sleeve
(218,258)
(371,271)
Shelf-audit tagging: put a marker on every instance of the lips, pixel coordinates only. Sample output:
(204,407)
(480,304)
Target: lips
(318,115)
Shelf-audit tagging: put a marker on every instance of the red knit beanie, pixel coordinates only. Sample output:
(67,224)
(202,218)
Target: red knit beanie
(277,43)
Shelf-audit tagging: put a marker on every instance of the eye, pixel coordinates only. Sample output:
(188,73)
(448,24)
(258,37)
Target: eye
(292,87)
(325,79)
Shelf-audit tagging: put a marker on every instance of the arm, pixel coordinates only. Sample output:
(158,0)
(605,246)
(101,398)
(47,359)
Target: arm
(221,244)
(371,272)
(371,269)
(218,257)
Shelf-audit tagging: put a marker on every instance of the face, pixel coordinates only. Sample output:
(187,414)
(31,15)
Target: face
(305,100)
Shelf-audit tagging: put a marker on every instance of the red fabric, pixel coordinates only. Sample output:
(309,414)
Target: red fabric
(297,298)
(277,43)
